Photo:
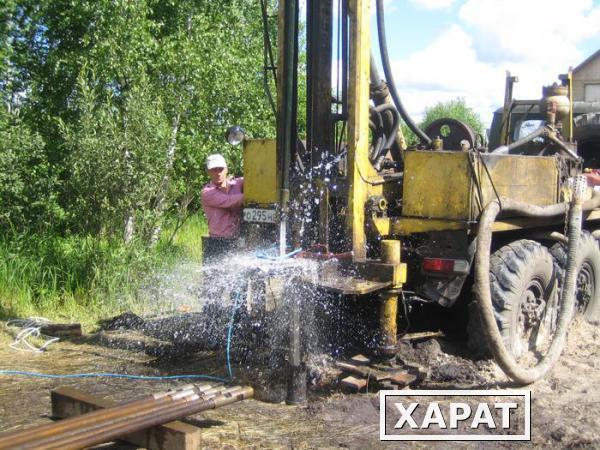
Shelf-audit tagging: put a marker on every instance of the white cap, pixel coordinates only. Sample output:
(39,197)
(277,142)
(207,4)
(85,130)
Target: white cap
(215,161)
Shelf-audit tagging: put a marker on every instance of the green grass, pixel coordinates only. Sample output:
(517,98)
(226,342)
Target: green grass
(85,278)
(188,239)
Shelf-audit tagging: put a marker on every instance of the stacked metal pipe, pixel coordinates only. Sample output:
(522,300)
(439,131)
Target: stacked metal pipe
(109,424)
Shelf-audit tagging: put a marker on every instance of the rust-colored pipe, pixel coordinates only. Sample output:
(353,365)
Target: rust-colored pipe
(9,440)
(75,424)
(173,412)
(49,436)
(180,398)
(55,439)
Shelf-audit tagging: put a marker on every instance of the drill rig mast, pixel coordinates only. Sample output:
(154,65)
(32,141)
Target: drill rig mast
(406,224)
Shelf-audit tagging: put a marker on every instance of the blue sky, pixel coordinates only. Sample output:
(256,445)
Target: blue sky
(443,49)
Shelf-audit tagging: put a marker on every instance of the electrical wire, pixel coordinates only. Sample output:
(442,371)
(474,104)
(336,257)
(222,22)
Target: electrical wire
(31,328)
(236,306)
(262,254)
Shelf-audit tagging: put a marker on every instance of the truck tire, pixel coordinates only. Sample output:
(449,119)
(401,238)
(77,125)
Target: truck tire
(524,295)
(587,297)
(586,131)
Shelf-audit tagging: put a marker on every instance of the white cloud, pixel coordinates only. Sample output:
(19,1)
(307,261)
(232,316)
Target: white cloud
(446,69)
(535,39)
(432,4)
(544,32)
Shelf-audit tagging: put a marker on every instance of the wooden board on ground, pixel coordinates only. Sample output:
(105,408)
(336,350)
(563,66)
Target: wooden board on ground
(402,378)
(421,335)
(354,383)
(61,329)
(360,360)
(69,402)
(364,371)
(363,375)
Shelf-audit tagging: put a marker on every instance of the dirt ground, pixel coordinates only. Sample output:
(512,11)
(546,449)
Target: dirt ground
(565,406)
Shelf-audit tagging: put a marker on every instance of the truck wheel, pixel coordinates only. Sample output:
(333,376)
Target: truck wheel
(522,281)
(587,297)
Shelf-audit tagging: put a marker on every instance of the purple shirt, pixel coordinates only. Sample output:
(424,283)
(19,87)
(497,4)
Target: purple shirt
(223,209)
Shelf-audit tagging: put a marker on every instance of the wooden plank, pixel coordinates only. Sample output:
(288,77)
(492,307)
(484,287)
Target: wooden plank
(402,378)
(360,360)
(364,371)
(354,383)
(70,402)
(61,329)
(351,286)
(421,335)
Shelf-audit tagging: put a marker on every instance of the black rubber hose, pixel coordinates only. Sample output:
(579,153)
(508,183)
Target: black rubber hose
(395,124)
(377,128)
(495,341)
(390,79)
(380,94)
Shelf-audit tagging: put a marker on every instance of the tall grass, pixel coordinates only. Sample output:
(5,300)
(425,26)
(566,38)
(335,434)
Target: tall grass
(84,278)
(188,238)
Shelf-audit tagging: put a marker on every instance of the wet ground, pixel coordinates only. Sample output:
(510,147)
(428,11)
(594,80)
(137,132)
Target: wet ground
(565,406)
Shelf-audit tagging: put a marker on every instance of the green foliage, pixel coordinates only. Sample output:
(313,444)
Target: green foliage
(108,111)
(27,186)
(84,277)
(128,98)
(50,275)
(454,109)
(115,157)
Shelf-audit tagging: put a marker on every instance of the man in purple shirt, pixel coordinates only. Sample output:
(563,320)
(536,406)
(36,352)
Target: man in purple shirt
(222,200)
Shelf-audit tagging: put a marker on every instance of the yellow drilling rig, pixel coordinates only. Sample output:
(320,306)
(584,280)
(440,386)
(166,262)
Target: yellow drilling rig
(446,218)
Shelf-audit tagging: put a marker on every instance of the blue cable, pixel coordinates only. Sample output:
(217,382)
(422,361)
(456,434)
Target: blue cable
(110,375)
(230,333)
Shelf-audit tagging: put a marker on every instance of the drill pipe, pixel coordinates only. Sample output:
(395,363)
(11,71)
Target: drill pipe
(84,421)
(113,431)
(17,436)
(50,435)
(181,399)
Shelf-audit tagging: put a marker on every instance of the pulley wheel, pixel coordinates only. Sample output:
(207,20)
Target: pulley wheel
(452,131)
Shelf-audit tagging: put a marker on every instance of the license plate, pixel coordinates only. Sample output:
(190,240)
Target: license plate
(259,215)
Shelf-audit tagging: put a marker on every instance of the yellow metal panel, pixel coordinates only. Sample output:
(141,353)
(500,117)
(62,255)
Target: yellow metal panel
(261,178)
(531,179)
(359,166)
(442,185)
(437,185)
(408,225)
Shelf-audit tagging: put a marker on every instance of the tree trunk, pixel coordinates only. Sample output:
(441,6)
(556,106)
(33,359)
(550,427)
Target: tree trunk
(129,231)
(164,187)
(129,226)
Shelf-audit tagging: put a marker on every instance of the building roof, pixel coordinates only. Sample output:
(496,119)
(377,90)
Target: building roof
(588,60)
